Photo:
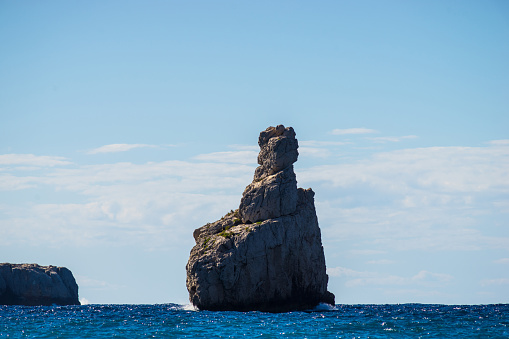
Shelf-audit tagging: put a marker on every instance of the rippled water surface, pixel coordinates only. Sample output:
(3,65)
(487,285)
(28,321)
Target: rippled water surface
(176,321)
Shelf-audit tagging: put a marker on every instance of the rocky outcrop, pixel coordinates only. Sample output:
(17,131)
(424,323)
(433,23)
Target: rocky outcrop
(267,255)
(273,192)
(34,285)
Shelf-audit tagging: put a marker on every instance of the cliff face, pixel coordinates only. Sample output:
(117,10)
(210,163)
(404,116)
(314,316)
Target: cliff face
(34,285)
(268,254)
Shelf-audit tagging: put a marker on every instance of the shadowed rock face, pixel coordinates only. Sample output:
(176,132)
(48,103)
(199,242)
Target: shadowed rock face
(34,285)
(268,254)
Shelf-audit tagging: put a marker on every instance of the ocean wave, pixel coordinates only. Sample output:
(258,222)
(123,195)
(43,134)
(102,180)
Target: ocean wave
(322,307)
(188,307)
(176,321)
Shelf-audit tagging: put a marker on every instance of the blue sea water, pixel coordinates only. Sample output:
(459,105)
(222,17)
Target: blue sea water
(177,321)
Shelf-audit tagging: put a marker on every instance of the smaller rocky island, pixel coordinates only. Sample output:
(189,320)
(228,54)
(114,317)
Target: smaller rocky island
(34,285)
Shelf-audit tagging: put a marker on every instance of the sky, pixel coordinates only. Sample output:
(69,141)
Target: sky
(125,125)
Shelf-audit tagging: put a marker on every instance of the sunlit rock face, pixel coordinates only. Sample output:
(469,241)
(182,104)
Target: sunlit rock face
(34,285)
(267,255)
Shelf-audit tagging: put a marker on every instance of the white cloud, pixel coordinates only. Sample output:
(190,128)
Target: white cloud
(392,139)
(314,152)
(418,293)
(89,283)
(430,276)
(10,182)
(319,149)
(502,261)
(239,157)
(182,175)
(366,252)
(380,262)
(389,228)
(245,147)
(364,278)
(491,282)
(415,199)
(437,169)
(353,131)
(113,148)
(437,198)
(316,143)
(503,142)
(151,205)
(33,160)
(345,272)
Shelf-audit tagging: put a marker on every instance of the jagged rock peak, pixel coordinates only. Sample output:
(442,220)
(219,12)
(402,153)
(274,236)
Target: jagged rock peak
(34,285)
(273,192)
(278,150)
(272,132)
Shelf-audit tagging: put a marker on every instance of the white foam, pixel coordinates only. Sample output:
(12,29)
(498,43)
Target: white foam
(189,307)
(324,307)
(84,301)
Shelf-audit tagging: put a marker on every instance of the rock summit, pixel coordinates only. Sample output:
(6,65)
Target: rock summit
(267,255)
(34,285)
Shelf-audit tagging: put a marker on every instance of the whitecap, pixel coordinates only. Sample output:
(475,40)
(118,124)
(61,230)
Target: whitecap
(84,301)
(323,307)
(188,307)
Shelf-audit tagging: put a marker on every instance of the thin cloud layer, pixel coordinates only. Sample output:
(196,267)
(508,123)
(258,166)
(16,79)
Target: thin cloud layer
(392,139)
(440,170)
(371,210)
(114,148)
(361,130)
(32,160)
(446,194)
(371,201)
(240,157)
(490,282)
(362,278)
(503,142)
(149,205)
(317,143)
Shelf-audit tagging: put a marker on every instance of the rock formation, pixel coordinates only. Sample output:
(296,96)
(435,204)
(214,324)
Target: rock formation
(34,285)
(267,255)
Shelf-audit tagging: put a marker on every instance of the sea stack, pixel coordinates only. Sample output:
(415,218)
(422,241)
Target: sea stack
(34,285)
(267,255)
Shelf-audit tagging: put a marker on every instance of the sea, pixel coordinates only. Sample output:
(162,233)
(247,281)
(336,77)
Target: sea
(183,321)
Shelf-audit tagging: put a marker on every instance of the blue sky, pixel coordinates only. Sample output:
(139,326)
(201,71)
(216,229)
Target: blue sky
(125,125)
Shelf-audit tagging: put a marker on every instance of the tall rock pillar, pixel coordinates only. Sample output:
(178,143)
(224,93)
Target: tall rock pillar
(268,254)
